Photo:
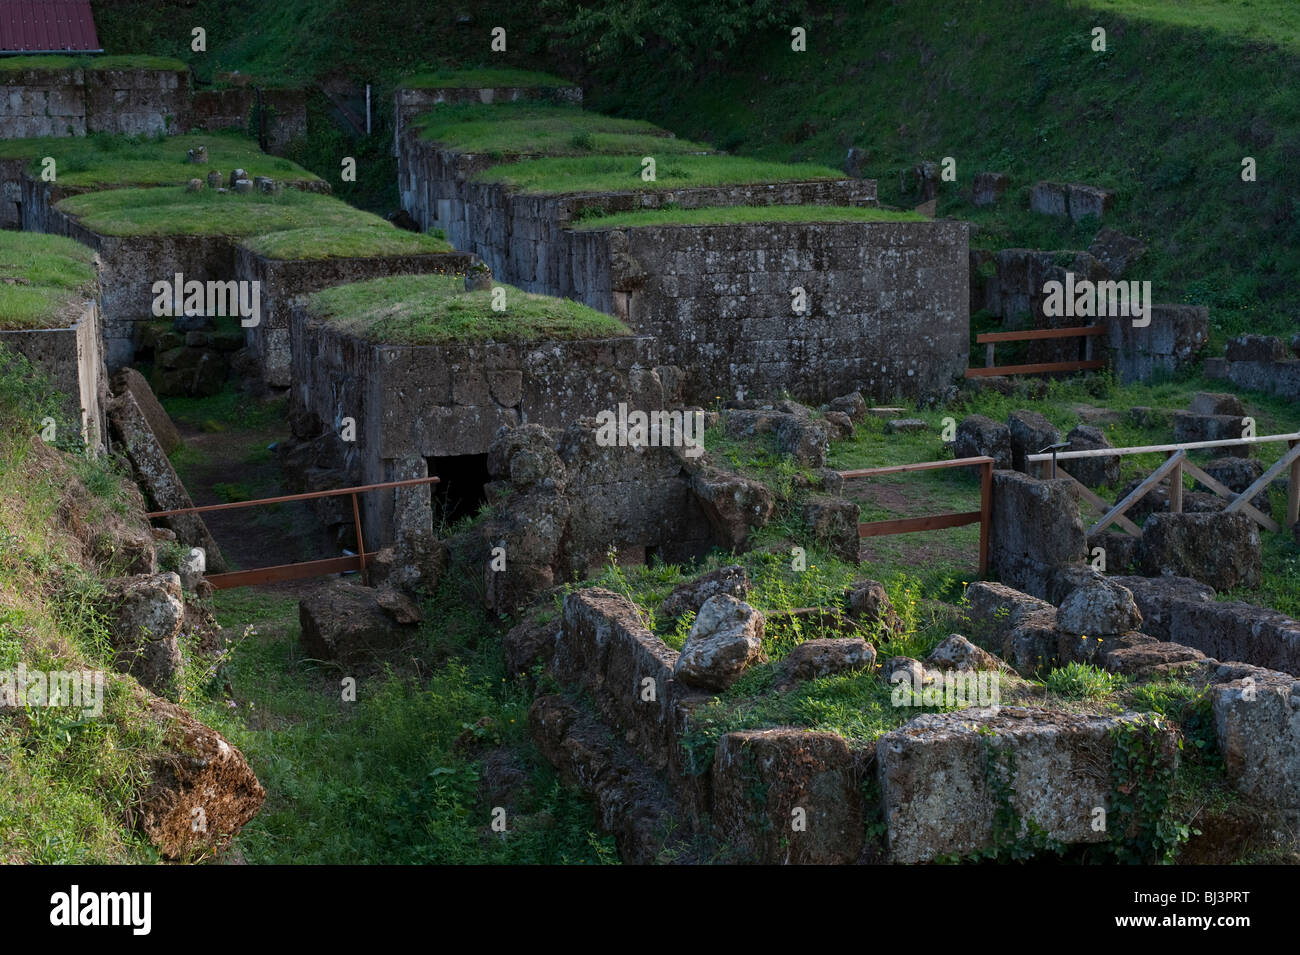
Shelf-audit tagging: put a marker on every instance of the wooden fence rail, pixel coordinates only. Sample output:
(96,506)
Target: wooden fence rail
(932,522)
(1173,469)
(302,569)
(989,339)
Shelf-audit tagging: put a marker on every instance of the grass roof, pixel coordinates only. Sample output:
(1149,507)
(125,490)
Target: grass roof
(436,309)
(566,174)
(482,79)
(102,160)
(43,280)
(88,62)
(514,129)
(731,215)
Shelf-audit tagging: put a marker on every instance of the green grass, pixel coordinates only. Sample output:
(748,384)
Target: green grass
(394,777)
(44,280)
(173,211)
(89,62)
(513,129)
(622,173)
(339,242)
(482,79)
(733,215)
(101,160)
(434,309)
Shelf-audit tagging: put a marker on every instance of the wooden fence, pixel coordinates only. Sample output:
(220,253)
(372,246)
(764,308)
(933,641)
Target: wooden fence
(1173,469)
(303,569)
(934,522)
(989,339)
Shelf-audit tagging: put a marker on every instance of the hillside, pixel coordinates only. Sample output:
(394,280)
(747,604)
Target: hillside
(1006,85)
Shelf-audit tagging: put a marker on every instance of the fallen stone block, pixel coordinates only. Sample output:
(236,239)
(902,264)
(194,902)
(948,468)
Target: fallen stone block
(1216,403)
(529,642)
(201,790)
(833,523)
(731,580)
(817,658)
(344,622)
(1049,198)
(958,653)
(905,426)
(944,776)
(1036,529)
(1257,721)
(1091,472)
(1030,433)
(1085,201)
(870,605)
(787,797)
(1261,348)
(1190,428)
(147,613)
(1116,251)
(978,436)
(726,637)
(1099,608)
(732,503)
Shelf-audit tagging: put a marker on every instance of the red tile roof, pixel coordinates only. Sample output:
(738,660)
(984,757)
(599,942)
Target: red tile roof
(47,26)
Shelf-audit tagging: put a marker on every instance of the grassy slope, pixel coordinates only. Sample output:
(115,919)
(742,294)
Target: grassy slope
(512,129)
(610,173)
(426,309)
(66,782)
(288,224)
(43,278)
(1164,118)
(100,160)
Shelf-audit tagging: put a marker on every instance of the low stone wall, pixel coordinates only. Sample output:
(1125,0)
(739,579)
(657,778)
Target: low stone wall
(1184,611)
(1173,340)
(73,360)
(282,279)
(129,267)
(412,403)
(138,102)
(74,102)
(286,113)
(886,303)
(1260,363)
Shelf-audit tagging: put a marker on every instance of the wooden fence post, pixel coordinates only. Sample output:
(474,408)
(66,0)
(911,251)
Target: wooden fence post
(1293,491)
(986,514)
(1176,487)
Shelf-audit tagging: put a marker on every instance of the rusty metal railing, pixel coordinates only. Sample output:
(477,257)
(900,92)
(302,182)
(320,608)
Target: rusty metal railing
(302,569)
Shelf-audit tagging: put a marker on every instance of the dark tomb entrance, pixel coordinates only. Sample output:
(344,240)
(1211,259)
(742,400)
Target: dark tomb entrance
(460,488)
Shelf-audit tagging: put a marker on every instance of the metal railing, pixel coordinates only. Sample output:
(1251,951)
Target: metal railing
(302,569)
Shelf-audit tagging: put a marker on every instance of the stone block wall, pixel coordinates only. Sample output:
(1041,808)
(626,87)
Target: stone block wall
(73,360)
(286,113)
(1174,338)
(74,102)
(412,403)
(41,102)
(281,280)
(886,303)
